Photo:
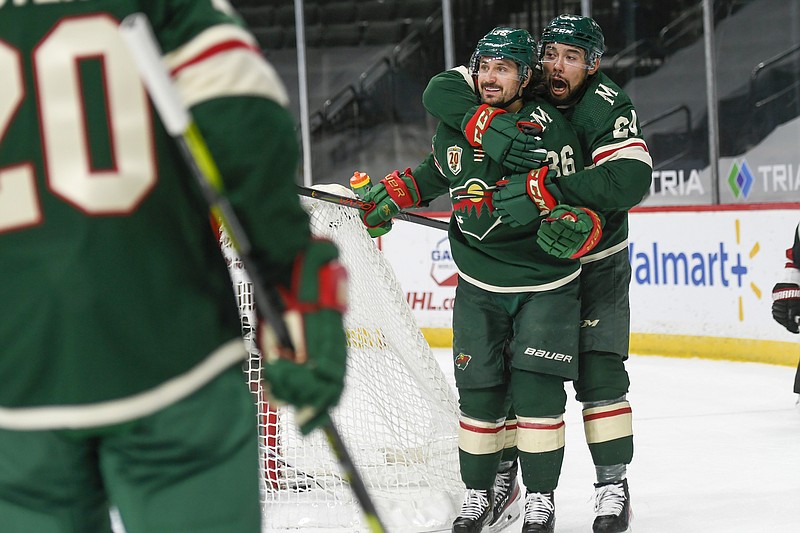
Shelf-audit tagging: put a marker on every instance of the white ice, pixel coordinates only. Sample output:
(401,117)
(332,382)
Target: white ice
(717,450)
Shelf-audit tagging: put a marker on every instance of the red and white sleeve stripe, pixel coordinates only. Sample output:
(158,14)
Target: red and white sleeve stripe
(223,60)
(628,149)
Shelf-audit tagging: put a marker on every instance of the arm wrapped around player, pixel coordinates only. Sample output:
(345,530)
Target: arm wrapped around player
(513,143)
(786,296)
(391,195)
(570,232)
(311,378)
(520,199)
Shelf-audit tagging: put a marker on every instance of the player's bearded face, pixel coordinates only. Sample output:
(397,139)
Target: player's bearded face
(565,70)
(498,80)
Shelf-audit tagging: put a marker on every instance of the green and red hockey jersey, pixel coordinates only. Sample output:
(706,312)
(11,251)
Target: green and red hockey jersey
(116,298)
(618,165)
(488,253)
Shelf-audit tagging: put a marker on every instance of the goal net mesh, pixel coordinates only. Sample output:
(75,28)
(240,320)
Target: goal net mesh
(397,416)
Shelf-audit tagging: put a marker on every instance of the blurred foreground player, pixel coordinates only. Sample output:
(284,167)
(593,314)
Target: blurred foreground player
(120,375)
(786,297)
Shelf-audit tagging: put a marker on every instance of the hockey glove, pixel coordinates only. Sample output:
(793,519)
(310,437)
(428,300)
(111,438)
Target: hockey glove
(570,232)
(311,378)
(522,198)
(786,306)
(392,194)
(514,144)
(360,184)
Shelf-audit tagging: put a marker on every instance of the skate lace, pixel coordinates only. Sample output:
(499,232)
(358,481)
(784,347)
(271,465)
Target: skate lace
(538,508)
(609,500)
(502,482)
(475,503)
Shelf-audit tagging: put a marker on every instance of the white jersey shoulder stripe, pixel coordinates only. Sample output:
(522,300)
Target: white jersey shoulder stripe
(628,149)
(464,71)
(223,60)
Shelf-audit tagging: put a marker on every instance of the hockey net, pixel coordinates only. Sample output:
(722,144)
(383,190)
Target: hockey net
(397,416)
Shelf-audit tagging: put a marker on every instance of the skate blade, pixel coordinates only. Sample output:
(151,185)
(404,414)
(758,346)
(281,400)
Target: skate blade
(630,525)
(510,515)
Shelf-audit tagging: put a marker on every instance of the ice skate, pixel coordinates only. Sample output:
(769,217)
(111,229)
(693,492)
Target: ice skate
(476,511)
(612,507)
(540,513)
(506,498)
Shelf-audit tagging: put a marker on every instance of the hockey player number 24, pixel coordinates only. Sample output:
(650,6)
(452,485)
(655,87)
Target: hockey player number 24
(116,190)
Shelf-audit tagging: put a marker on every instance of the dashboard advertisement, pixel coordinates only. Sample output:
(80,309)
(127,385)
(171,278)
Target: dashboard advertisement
(701,272)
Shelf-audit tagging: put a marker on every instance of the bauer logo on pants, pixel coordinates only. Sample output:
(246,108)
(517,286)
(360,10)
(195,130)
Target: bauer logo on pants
(547,354)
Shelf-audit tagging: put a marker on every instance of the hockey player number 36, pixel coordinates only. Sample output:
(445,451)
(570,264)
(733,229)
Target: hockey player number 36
(66,157)
(563,162)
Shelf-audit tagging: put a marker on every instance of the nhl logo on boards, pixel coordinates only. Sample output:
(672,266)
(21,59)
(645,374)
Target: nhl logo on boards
(462,360)
(454,159)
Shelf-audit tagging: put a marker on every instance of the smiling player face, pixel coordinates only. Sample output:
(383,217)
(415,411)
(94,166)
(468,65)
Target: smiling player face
(498,81)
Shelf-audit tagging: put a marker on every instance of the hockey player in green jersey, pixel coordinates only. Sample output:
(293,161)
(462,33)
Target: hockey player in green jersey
(616,179)
(120,370)
(515,322)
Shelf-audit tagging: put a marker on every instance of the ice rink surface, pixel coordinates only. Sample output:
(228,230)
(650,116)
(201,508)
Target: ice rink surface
(717,449)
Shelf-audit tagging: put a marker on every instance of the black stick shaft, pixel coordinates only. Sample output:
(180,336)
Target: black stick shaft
(339,449)
(355,203)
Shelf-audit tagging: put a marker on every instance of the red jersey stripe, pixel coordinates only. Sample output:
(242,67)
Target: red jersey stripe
(213,50)
(534,425)
(606,414)
(607,153)
(477,429)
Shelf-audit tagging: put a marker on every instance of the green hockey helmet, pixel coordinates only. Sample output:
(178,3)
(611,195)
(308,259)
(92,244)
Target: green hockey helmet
(576,30)
(506,43)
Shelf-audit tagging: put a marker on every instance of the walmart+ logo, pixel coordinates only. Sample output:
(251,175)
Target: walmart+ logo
(740,179)
(719,266)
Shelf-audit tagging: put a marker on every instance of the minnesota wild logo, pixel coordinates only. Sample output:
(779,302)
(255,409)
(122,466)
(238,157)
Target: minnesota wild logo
(474,197)
(462,360)
(472,208)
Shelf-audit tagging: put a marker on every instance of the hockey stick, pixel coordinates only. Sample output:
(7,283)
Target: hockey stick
(138,36)
(355,203)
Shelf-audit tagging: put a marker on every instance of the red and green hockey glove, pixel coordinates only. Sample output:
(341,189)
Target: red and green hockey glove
(570,232)
(311,378)
(391,195)
(522,198)
(512,143)
(361,184)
